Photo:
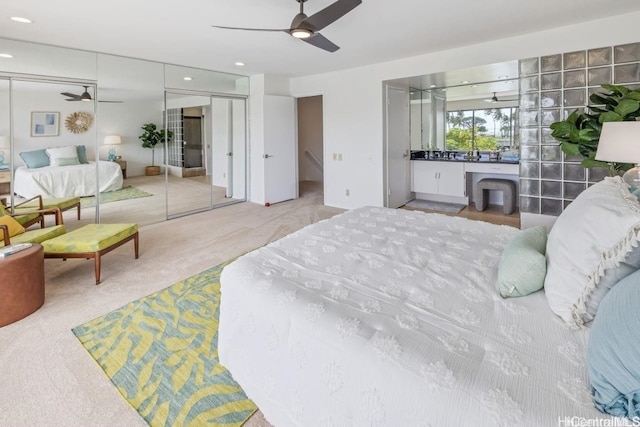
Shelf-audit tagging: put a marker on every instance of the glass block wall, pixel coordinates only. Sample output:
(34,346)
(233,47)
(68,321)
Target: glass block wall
(175,125)
(551,87)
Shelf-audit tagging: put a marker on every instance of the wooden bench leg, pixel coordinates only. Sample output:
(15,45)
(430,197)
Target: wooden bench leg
(135,244)
(78,211)
(97,258)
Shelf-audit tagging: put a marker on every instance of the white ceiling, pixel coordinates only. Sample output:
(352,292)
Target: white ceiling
(180,32)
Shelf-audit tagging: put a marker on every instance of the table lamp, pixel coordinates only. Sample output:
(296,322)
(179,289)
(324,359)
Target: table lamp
(620,143)
(5,143)
(112,140)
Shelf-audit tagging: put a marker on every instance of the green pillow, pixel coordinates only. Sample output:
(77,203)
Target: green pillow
(523,265)
(82,154)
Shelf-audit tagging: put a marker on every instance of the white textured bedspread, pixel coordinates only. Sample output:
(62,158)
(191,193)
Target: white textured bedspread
(385,317)
(67,181)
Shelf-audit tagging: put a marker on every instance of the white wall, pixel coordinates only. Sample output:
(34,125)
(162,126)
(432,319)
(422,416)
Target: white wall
(29,97)
(126,120)
(353,98)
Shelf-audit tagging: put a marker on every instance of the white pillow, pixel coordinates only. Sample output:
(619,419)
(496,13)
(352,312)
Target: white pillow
(592,245)
(63,156)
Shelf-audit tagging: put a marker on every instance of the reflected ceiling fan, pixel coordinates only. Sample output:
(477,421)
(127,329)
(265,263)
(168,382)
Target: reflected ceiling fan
(306,28)
(494,99)
(84,96)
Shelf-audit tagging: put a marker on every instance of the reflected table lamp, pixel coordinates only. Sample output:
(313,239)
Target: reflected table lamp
(5,144)
(112,140)
(620,143)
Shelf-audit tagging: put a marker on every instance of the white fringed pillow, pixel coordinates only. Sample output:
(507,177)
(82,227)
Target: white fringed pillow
(63,156)
(592,245)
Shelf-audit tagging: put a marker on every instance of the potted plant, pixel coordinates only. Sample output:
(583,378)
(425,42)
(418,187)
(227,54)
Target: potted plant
(579,133)
(150,138)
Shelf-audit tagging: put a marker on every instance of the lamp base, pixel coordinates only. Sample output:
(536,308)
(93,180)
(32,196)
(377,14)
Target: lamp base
(112,154)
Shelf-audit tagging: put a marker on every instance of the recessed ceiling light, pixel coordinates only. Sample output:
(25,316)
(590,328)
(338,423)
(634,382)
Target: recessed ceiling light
(187,78)
(474,85)
(503,77)
(432,85)
(239,64)
(6,55)
(464,82)
(21,20)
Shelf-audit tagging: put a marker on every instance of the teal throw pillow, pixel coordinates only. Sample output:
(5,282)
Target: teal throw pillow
(613,353)
(82,154)
(523,265)
(35,159)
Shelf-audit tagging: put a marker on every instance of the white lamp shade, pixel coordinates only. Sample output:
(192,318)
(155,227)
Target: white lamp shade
(5,142)
(112,140)
(619,142)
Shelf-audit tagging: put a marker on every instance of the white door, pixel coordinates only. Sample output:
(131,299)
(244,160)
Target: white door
(398,148)
(279,156)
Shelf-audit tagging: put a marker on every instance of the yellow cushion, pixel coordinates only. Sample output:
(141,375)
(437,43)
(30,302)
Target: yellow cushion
(39,235)
(14,226)
(62,203)
(90,238)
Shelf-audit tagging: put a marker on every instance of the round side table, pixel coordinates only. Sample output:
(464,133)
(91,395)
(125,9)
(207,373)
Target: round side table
(21,284)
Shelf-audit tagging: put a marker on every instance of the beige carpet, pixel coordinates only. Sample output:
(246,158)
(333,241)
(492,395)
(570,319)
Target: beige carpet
(47,378)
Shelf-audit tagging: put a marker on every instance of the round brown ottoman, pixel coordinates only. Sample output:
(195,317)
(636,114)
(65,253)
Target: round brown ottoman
(21,284)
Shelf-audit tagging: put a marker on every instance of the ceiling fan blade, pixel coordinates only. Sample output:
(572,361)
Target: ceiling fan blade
(70,95)
(73,99)
(318,40)
(112,102)
(249,29)
(330,14)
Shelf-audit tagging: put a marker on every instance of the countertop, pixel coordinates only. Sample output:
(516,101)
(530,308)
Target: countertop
(483,159)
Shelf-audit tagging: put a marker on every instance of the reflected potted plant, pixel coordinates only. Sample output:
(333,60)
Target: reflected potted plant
(579,133)
(150,138)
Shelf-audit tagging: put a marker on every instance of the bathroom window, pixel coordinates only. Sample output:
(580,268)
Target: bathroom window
(485,130)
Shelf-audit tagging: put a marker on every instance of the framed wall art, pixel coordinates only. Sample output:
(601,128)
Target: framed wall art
(45,123)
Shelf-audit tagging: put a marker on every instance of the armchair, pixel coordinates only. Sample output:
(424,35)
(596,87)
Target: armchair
(37,235)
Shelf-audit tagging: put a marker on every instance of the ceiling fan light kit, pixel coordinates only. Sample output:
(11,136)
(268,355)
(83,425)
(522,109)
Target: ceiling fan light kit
(306,28)
(301,33)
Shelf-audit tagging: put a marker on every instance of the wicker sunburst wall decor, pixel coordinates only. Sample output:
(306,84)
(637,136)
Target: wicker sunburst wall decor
(79,122)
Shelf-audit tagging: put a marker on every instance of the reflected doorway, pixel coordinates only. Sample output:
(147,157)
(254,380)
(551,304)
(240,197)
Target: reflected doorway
(206,155)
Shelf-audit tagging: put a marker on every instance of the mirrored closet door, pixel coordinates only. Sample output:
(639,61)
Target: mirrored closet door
(205,152)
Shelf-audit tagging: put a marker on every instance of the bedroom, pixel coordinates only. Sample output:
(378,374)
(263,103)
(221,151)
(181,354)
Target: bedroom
(357,94)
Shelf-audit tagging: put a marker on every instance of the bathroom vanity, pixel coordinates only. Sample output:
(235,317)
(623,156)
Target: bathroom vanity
(453,180)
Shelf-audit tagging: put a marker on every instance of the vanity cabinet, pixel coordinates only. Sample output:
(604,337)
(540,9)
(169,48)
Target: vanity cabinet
(441,178)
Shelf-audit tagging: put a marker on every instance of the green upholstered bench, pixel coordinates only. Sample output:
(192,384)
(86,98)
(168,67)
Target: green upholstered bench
(91,241)
(38,202)
(38,235)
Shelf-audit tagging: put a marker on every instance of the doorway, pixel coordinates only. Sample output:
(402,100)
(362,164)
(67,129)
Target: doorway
(310,144)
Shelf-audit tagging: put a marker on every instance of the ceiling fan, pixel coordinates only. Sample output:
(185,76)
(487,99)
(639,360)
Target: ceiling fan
(306,28)
(84,96)
(494,99)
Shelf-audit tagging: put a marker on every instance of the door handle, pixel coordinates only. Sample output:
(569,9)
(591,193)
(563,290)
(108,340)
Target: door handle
(405,155)
(266,156)
(229,154)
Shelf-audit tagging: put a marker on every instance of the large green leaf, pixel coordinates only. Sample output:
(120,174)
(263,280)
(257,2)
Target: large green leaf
(621,90)
(589,163)
(570,149)
(610,116)
(634,94)
(627,106)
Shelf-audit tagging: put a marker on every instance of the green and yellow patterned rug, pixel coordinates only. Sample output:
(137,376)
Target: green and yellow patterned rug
(125,193)
(161,352)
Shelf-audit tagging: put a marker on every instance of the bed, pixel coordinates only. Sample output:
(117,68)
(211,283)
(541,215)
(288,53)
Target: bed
(67,181)
(388,317)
